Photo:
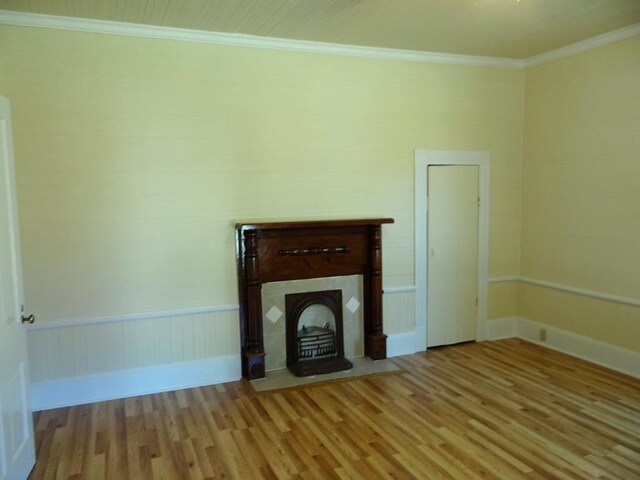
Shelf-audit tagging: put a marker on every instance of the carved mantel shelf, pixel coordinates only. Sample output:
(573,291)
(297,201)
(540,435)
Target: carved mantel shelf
(278,251)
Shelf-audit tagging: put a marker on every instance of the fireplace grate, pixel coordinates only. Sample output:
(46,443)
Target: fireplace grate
(316,342)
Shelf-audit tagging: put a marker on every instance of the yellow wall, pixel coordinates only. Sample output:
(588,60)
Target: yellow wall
(581,191)
(503,300)
(135,157)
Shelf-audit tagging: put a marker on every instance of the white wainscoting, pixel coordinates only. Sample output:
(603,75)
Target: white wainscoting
(79,350)
(399,310)
(65,392)
(123,357)
(600,353)
(401,344)
(74,363)
(502,328)
(117,358)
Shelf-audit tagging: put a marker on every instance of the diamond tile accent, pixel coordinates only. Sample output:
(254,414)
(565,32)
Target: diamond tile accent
(353,305)
(274,314)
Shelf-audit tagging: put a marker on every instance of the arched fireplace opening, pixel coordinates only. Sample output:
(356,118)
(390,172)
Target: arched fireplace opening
(315,342)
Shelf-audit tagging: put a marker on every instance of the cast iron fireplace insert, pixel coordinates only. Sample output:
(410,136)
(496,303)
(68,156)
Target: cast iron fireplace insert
(315,349)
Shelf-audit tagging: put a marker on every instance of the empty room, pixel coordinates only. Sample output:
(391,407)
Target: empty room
(317,239)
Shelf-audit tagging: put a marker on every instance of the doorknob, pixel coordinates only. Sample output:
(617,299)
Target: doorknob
(30,319)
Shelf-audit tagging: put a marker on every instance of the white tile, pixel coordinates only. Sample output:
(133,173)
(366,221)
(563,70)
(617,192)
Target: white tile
(274,314)
(353,305)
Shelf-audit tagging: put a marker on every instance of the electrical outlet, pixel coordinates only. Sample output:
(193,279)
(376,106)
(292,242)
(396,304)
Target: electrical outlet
(543,334)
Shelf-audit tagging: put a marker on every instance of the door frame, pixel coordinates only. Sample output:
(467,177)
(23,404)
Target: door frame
(423,160)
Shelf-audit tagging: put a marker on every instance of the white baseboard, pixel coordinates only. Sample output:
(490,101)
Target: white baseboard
(130,383)
(401,344)
(586,348)
(502,328)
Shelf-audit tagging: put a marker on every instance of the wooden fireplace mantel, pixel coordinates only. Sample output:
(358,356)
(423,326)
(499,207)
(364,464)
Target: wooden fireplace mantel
(278,251)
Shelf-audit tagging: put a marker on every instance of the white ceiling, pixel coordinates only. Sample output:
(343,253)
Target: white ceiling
(497,28)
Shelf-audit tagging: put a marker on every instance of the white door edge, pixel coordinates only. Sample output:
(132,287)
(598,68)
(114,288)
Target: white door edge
(16,421)
(424,159)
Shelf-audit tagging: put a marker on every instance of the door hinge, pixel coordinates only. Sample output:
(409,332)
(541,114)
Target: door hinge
(478,201)
(477,301)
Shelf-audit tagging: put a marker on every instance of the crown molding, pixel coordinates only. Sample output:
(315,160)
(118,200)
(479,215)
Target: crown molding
(585,45)
(249,41)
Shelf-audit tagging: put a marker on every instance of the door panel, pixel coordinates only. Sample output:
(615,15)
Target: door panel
(17,452)
(452,256)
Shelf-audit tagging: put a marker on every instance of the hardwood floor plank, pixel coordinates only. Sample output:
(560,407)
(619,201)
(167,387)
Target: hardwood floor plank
(389,467)
(613,468)
(493,410)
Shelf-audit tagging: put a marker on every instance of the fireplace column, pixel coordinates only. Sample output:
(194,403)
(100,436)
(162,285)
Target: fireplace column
(375,345)
(254,356)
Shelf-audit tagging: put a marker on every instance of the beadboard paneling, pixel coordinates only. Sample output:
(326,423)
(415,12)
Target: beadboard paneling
(83,350)
(399,312)
(77,351)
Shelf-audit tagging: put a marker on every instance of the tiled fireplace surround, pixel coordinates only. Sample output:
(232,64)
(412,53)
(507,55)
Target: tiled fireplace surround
(273,309)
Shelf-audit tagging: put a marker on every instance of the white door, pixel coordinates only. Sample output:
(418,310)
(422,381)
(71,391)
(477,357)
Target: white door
(17,451)
(452,254)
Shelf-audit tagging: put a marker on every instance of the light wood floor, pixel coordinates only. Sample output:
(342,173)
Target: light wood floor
(496,410)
